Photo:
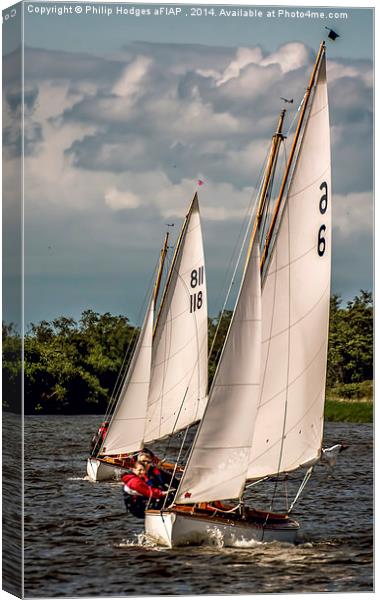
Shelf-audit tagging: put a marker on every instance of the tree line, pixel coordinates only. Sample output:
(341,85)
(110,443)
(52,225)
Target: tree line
(73,367)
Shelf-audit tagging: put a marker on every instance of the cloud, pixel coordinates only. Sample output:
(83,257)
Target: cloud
(117,200)
(244,57)
(135,131)
(130,82)
(180,109)
(77,67)
(289,57)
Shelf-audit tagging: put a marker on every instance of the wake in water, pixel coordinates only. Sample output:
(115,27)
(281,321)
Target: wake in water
(140,540)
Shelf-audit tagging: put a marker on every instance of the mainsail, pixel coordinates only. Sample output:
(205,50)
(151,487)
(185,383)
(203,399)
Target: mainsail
(218,463)
(265,410)
(126,430)
(296,295)
(178,387)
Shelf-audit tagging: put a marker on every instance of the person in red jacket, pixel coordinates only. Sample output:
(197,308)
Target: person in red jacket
(156,477)
(98,438)
(138,494)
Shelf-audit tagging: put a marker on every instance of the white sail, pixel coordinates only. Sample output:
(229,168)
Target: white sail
(126,430)
(178,389)
(296,295)
(219,459)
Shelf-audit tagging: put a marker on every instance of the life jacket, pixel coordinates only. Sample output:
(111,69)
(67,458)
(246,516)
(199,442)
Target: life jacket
(103,430)
(135,501)
(98,437)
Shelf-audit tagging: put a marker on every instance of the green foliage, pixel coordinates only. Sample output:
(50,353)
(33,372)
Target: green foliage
(352,391)
(350,353)
(69,367)
(11,368)
(217,331)
(72,367)
(350,357)
(350,412)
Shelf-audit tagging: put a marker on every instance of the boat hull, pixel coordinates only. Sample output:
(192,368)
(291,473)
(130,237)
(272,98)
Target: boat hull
(173,528)
(99,470)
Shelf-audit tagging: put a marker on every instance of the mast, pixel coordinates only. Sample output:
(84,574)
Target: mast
(177,248)
(163,254)
(276,141)
(268,239)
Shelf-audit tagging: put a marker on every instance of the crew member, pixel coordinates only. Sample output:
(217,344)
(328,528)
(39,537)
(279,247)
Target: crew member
(155,476)
(139,494)
(98,438)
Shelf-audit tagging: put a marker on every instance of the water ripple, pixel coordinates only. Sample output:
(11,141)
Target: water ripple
(80,542)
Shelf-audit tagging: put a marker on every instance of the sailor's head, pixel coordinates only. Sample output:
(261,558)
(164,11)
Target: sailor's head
(148,452)
(144,459)
(139,469)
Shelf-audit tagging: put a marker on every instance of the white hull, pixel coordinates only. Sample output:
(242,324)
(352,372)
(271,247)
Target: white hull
(98,470)
(171,529)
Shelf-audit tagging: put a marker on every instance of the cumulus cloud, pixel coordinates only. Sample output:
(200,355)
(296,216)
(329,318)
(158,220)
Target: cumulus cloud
(117,199)
(132,131)
(130,82)
(176,110)
(244,57)
(289,57)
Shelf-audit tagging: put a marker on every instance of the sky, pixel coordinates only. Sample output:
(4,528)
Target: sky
(124,114)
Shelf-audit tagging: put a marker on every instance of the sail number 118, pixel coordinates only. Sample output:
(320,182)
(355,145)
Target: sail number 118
(321,244)
(196,298)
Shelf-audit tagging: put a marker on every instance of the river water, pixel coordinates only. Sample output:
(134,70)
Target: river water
(80,542)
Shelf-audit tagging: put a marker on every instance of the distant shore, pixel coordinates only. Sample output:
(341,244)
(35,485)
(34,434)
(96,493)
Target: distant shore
(340,411)
(349,411)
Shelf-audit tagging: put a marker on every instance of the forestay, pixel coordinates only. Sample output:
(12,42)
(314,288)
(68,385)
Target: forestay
(178,389)
(296,294)
(126,430)
(218,462)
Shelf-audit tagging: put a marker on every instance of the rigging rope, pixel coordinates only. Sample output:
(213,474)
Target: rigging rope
(302,486)
(176,465)
(256,482)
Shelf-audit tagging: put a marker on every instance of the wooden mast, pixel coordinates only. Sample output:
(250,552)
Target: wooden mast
(164,251)
(276,140)
(268,239)
(177,248)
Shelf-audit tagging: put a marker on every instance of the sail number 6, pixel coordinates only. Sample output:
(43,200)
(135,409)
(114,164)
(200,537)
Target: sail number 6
(321,244)
(196,299)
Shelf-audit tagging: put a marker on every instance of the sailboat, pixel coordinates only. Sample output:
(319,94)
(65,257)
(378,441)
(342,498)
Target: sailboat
(165,388)
(264,415)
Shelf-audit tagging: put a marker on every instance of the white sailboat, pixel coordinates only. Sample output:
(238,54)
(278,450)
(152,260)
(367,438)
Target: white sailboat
(165,389)
(265,410)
